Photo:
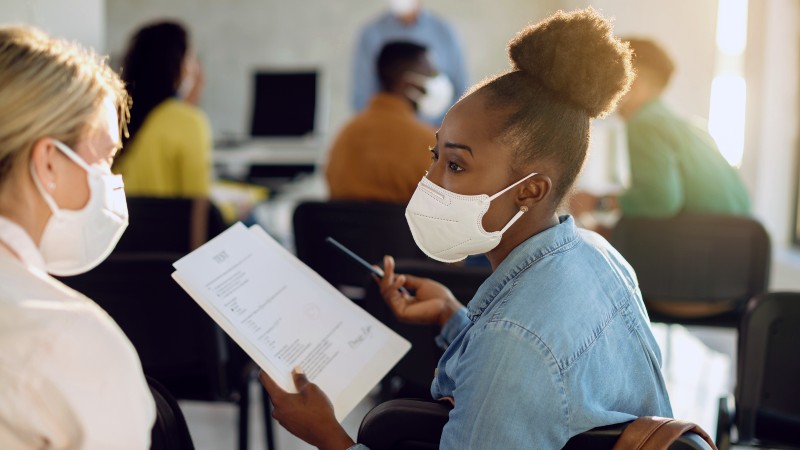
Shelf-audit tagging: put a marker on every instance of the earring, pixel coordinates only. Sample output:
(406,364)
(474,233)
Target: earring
(523,208)
(51,185)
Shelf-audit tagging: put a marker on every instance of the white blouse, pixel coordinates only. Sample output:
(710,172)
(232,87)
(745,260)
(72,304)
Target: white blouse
(69,377)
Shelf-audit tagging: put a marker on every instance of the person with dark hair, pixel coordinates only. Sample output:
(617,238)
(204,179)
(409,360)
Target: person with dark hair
(556,341)
(168,150)
(675,166)
(408,20)
(381,153)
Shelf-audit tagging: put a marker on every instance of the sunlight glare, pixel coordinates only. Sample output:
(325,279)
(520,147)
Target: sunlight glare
(726,116)
(732,26)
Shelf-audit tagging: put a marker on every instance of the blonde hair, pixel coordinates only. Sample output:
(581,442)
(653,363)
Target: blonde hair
(49,88)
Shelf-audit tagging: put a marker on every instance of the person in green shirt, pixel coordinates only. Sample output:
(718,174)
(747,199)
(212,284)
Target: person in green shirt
(675,166)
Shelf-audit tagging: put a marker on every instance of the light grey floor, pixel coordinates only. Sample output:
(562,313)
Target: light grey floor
(698,369)
(214,426)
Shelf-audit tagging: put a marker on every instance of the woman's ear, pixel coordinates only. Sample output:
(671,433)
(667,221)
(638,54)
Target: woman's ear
(44,159)
(534,190)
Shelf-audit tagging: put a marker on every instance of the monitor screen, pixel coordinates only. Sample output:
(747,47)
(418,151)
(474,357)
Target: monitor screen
(284,103)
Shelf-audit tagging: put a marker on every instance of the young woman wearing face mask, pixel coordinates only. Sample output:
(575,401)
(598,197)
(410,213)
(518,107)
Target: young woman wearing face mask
(168,152)
(556,341)
(69,378)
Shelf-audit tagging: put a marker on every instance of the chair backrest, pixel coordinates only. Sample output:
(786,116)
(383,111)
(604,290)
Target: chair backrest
(369,229)
(170,431)
(159,224)
(768,385)
(701,258)
(178,344)
(417,366)
(407,424)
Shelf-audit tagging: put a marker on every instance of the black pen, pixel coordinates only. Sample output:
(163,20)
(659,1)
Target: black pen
(375,270)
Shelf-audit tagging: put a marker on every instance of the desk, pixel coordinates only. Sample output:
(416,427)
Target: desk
(270,162)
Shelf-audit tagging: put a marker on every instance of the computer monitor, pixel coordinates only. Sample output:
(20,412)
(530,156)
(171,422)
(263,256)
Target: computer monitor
(284,104)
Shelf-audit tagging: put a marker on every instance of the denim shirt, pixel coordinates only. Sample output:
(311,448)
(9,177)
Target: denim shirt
(555,342)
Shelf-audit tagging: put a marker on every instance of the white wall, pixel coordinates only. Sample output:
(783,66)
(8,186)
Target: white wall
(80,20)
(769,167)
(234,37)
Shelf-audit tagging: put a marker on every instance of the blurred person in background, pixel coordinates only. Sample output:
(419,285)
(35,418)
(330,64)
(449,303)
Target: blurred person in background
(168,152)
(407,20)
(381,154)
(675,166)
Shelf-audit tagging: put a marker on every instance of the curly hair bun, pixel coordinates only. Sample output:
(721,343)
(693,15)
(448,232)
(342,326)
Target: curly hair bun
(575,55)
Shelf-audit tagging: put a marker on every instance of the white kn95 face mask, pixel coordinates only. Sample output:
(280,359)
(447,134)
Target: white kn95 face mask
(438,95)
(447,226)
(75,241)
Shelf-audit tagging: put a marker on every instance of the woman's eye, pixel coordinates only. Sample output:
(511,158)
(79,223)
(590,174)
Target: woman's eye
(453,167)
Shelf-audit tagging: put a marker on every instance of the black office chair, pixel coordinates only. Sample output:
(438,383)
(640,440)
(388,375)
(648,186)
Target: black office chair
(177,343)
(162,224)
(412,376)
(714,262)
(408,424)
(170,431)
(369,229)
(767,395)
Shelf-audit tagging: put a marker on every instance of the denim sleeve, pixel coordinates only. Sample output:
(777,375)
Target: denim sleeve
(452,328)
(510,393)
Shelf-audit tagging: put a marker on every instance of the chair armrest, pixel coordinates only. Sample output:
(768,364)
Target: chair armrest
(404,423)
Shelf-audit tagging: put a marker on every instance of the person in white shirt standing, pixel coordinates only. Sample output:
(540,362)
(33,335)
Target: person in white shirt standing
(69,378)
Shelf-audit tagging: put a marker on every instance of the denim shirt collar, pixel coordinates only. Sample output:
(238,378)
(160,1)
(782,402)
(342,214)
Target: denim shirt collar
(560,236)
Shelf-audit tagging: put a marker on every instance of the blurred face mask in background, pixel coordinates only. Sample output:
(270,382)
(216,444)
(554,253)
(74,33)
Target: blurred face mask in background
(75,241)
(435,97)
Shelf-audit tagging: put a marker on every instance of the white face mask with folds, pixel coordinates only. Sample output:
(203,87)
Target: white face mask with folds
(434,98)
(75,241)
(448,227)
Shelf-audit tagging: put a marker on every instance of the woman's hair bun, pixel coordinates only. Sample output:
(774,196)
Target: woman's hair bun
(575,55)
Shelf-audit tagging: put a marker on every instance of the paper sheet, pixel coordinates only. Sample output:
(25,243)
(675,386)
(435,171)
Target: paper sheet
(284,315)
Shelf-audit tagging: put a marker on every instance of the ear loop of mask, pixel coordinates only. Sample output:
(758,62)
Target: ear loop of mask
(69,153)
(521,211)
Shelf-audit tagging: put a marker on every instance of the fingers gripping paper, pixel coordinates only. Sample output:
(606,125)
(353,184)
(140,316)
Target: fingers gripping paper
(283,314)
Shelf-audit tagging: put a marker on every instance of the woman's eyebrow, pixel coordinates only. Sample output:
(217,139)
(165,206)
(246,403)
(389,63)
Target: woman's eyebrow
(449,144)
(459,146)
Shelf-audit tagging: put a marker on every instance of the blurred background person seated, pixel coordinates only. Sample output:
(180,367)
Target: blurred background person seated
(407,20)
(382,153)
(168,150)
(675,166)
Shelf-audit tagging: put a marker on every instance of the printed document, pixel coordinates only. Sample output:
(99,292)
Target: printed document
(284,315)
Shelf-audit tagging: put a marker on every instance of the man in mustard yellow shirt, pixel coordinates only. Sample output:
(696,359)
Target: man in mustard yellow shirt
(382,153)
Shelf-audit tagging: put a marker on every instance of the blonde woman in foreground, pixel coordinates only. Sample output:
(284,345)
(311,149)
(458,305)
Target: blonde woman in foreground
(69,378)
